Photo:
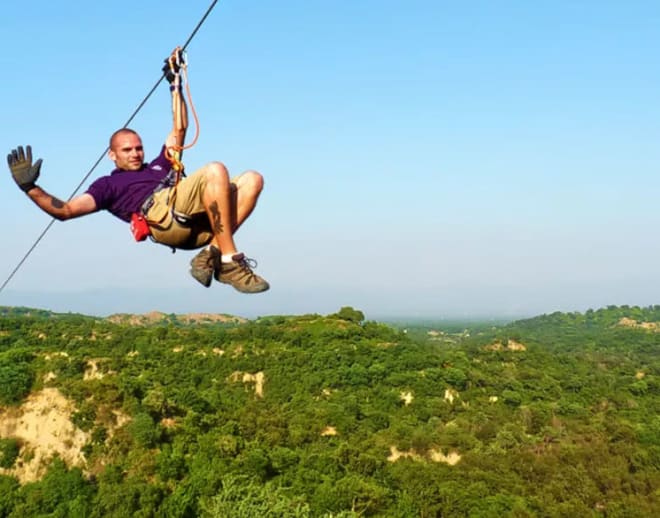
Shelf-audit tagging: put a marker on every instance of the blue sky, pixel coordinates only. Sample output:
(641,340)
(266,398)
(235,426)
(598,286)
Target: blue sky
(422,158)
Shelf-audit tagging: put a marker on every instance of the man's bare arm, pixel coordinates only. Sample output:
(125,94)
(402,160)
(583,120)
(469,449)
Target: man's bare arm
(76,207)
(26,173)
(177,136)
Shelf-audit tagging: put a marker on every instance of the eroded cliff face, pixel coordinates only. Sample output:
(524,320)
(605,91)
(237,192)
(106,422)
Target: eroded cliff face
(43,427)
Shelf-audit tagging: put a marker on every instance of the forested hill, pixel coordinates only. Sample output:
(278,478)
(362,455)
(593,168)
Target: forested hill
(153,318)
(301,416)
(604,327)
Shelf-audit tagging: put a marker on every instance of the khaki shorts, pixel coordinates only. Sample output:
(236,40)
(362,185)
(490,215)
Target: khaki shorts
(163,223)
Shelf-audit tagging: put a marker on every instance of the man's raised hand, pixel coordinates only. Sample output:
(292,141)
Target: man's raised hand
(25,173)
(173,65)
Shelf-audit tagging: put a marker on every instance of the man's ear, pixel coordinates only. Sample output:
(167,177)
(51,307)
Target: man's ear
(112,155)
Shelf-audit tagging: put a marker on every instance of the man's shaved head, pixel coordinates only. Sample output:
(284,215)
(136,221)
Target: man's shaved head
(118,133)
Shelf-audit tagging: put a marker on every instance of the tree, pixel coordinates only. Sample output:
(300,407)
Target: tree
(9,449)
(8,494)
(242,498)
(350,314)
(60,493)
(145,432)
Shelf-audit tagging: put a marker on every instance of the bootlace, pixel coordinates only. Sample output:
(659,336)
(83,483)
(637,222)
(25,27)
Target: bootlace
(247,264)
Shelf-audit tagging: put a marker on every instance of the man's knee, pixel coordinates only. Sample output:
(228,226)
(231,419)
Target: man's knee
(249,181)
(216,173)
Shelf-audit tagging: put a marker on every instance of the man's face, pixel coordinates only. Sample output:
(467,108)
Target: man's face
(127,152)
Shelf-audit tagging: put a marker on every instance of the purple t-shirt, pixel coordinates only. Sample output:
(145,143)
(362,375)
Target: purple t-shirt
(123,192)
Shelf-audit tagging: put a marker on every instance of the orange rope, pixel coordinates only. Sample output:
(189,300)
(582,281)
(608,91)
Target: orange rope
(173,152)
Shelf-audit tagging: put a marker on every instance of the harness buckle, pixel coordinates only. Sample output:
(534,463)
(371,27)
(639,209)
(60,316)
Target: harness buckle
(147,204)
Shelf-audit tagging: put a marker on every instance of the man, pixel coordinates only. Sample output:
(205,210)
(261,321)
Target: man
(203,209)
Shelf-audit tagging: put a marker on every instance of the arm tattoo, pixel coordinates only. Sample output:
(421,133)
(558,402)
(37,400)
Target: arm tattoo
(55,203)
(216,224)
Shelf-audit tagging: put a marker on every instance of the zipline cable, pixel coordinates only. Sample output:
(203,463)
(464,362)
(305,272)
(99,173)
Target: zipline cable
(102,156)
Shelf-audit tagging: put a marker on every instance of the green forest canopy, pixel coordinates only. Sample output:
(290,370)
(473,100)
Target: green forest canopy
(308,415)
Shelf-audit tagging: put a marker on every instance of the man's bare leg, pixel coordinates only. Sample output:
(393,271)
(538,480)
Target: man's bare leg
(228,205)
(217,200)
(246,189)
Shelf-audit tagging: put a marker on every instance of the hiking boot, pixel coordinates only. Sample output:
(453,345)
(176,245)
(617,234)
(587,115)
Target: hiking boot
(239,274)
(204,265)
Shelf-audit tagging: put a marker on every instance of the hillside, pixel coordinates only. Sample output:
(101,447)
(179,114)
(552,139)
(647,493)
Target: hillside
(166,415)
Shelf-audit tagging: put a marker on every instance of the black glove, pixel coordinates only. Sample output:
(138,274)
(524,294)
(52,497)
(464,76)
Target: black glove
(24,172)
(170,74)
(171,71)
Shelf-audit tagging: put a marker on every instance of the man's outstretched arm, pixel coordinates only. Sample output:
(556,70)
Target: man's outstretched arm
(62,210)
(25,174)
